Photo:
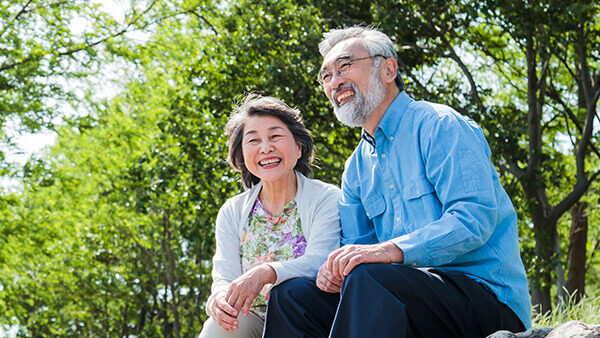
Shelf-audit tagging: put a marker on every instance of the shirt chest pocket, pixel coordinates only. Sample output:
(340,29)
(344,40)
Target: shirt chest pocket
(416,188)
(421,202)
(374,205)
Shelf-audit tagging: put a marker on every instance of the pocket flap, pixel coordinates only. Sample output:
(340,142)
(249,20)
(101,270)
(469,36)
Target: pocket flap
(374,205)
(417,188)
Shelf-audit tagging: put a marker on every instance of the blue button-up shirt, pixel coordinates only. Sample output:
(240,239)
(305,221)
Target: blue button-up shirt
(426,182)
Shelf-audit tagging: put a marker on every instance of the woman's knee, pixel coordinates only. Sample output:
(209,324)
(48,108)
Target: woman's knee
(249,326)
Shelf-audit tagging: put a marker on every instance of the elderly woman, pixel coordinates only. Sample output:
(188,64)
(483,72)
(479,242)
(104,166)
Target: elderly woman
(283,226)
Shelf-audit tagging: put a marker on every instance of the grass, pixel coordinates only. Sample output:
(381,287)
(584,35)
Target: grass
(587,311)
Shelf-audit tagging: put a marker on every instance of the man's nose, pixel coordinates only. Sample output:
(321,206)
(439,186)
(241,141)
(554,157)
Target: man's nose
(336,80)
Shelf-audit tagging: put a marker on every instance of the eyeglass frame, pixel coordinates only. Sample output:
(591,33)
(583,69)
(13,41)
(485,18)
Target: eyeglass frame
(348,63)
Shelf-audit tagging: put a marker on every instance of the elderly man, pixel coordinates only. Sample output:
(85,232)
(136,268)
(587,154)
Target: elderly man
(430,246)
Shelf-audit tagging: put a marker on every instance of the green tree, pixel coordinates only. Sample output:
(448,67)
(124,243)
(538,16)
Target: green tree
(112,234)
(48,48)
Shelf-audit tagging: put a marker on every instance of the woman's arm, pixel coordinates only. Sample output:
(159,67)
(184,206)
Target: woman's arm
(324,223)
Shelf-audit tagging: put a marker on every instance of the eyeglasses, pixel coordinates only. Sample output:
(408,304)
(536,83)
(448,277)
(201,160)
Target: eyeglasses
(341,67)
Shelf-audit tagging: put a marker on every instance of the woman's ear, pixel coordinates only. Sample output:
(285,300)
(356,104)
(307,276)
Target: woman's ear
(299,145)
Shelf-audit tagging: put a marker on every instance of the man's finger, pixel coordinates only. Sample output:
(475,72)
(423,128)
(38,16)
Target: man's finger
(343,261)
(331,259)
(352,263)
(335,264)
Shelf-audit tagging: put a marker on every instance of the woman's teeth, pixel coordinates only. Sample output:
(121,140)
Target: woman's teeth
(269,161)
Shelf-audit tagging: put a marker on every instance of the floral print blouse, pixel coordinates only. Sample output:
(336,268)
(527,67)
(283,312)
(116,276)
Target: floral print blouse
(268,238)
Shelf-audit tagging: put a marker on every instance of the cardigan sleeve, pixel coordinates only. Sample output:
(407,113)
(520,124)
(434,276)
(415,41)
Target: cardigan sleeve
(226,261)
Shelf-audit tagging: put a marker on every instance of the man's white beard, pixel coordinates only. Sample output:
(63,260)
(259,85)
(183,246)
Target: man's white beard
(356,112)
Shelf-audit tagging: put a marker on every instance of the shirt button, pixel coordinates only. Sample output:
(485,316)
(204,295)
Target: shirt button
(391,138)
(391,186)
(368,215)
(397,219)
(382,155)
(414,264)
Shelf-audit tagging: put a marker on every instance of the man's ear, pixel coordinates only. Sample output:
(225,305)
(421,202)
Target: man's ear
(389,70)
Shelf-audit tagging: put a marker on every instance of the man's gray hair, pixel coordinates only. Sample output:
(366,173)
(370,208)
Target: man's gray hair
(373,40)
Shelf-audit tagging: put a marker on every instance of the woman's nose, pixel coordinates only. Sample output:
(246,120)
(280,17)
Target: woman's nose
(266,147)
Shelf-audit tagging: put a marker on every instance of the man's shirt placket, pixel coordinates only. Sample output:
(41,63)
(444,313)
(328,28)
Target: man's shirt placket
(391,190)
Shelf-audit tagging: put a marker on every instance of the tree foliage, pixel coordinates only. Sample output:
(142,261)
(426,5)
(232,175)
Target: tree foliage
(112,233)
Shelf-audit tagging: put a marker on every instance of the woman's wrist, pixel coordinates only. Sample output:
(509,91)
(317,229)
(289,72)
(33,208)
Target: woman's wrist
(267,274)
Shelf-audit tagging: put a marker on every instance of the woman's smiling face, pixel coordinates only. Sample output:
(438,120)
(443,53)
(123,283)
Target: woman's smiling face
(269,148)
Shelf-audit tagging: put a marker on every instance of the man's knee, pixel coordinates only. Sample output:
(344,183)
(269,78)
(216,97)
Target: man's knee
(295,289)
(362,273)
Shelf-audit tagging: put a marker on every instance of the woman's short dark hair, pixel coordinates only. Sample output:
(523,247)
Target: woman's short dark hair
(256,105)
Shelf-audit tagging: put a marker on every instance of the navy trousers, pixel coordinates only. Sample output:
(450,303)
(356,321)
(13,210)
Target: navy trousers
(388,300)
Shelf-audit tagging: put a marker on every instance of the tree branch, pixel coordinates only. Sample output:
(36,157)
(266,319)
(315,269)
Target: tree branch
(542,79)
(579,189)
(566,65)
(569,115)
(9,24)
(513,169)
(474,92)
(75,48)
(23,10)
(212,27)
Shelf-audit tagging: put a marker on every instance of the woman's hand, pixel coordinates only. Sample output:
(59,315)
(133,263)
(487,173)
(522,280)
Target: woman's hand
(327,282)
(246,287)
(223,313)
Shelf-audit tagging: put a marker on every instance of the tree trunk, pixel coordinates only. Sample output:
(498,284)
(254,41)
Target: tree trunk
(577,251)
(559,270)
(540,291)
(169,257)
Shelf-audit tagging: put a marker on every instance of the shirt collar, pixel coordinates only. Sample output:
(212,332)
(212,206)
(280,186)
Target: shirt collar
(368,138)
(393,116)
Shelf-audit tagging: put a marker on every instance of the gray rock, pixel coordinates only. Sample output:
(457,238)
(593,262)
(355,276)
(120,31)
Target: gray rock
(538,332)
(575,329)
(572,329)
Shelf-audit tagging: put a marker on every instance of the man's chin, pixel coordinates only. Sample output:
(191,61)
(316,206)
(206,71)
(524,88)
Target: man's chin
(344,117)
